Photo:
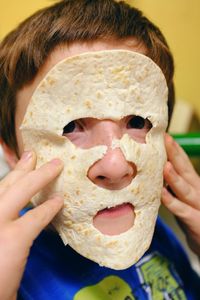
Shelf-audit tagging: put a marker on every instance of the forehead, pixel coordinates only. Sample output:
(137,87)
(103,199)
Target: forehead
(66,51)
(24,95)
(106,84)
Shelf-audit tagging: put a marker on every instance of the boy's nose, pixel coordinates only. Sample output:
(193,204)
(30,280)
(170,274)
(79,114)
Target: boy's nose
(113,171)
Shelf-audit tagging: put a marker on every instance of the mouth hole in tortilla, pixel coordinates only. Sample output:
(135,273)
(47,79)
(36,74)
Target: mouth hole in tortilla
(115,220)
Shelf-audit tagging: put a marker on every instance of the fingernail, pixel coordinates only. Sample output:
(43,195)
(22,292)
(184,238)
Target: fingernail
(57,198)
(56,162)
(164,191)
(56,195)
(174,144)
(27,155)
(168,137)
(171,169)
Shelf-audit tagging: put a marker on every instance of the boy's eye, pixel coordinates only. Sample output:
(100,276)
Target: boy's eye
(69,127)
(73,126)
(138,122)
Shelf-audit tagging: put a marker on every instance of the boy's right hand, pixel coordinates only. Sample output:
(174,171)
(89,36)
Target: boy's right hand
(183,198)
(18,233)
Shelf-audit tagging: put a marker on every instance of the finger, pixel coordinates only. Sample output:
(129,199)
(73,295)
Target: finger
(182,189)
(13,200)
(35,220)
(180,209)
(181,162)
(23,166)
(188,218)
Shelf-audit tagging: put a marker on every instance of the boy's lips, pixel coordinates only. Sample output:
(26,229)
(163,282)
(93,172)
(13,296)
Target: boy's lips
(116,211)
(115,220)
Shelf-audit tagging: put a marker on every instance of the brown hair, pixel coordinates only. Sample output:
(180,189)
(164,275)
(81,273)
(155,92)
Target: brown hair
(25,50)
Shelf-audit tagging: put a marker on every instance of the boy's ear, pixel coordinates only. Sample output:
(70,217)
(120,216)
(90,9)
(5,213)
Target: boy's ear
(9,155)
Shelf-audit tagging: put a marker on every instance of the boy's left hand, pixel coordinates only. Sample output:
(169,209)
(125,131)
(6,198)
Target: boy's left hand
(184,199)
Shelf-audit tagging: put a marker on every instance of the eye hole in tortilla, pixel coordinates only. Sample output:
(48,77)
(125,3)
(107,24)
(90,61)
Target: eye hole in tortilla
(89,132)
(137,127)
(137,122)
(72,126)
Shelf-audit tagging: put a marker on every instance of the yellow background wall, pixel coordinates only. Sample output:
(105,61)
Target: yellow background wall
(178,19)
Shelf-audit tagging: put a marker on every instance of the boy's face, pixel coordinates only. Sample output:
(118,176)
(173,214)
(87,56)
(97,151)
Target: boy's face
(113,172)
(119,208)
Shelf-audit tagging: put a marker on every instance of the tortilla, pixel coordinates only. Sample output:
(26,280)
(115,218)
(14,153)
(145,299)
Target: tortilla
(104,85)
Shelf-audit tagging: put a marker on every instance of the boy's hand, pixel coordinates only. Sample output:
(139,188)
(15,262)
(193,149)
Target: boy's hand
(184,199)
(18,233)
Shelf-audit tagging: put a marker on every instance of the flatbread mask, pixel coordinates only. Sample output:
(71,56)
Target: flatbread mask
(104,85)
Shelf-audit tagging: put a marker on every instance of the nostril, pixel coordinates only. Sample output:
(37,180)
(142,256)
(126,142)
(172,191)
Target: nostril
(132,170)
(101,177)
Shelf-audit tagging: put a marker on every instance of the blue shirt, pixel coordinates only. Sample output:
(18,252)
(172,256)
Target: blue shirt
(55,271)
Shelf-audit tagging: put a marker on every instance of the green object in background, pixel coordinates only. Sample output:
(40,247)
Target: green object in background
(190,142)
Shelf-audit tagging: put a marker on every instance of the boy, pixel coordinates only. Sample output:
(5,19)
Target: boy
(26,56)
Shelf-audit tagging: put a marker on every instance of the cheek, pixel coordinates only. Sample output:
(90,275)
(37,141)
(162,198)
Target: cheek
(138,135)
(81,140)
